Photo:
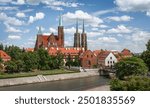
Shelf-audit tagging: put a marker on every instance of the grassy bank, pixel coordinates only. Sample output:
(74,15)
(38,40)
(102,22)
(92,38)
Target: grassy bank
(29,74)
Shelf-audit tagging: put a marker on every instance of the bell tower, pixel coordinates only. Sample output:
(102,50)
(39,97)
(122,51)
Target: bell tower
(83,38)
(77,36)
(60,33)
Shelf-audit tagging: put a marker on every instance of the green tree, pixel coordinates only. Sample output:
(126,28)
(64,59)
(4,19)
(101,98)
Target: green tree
(43,59)
(134,83)
(20,65)
(148,45)
(1,60)
(30,60)
(76,62)
(69,61)
(130,66)
(14,51)
(11,67)
(146,57)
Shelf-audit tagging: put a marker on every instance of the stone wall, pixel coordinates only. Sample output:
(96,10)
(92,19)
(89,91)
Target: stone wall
(41,78)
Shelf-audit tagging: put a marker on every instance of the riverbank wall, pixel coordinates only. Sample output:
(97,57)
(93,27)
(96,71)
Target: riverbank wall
(41,78)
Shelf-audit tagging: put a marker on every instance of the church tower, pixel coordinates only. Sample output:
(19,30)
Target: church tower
(60,33)
(77,36)
(83,38)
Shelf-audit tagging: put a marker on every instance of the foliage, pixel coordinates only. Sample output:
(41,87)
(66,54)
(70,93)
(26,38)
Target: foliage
(146,57)
(75,62)
(14,51)
(1,60)
(148,45)
(130,66)
(11,67)
(134,83)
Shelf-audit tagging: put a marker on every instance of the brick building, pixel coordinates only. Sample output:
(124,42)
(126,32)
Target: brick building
(4,56)
(88,59)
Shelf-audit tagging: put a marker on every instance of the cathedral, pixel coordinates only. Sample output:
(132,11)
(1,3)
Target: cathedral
(57,41)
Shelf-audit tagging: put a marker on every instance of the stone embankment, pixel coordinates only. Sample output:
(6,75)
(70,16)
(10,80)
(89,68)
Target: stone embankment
(41,78)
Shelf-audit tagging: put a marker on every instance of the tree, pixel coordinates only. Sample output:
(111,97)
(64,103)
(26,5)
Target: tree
(11,67)
(130,66)
(1,60)
(148,45)
(14,51)
(134,83)
(30,61)
(146,57)
(69,61)
(76,62)
(43,59)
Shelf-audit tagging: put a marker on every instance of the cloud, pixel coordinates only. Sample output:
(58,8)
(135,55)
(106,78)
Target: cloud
(89,19)
(14,37)
(101,12)
(133,5)
(119,29)
(38,16)
(11,29)
(10,20)
(121,18)
(140,36)
(108,39)
(54,4)
(20,15)
(2,8)
(5,1)
(52,30)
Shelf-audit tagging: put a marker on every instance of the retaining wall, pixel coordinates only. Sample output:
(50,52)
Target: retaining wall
(41,78)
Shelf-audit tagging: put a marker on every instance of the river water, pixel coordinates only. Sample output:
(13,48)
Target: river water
(64,85)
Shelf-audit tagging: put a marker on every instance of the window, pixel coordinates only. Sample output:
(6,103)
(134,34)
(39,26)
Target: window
(110,57)
(91,56)
(87,56)
(113,61)
(108,62)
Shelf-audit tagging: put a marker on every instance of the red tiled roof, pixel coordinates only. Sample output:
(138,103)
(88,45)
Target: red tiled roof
(72,51)
(29,49)
(97,52)
(4,55)
(103,55)
(126,52)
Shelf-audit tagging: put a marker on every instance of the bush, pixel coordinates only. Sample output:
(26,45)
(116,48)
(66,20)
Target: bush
(130,66)
(134,83)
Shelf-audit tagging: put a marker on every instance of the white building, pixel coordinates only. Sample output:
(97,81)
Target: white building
(107,59)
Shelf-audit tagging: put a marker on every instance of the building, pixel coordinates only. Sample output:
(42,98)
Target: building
(106,59)
(46,41)
(72,52)
(80,41)
(55,43)
(88,59)
(4,56)
(126,53)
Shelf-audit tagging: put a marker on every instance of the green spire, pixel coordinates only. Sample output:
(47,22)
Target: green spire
(40,30)
(60,20)
(83,26)
(77,25)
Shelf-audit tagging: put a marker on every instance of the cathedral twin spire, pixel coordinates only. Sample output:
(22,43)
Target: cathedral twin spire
(83,42)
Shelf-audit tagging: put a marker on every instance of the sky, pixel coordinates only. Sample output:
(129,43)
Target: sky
(109,24)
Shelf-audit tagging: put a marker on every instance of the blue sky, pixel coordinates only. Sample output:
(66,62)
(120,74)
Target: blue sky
(109,24)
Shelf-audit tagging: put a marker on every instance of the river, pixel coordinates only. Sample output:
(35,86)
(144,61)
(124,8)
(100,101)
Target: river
(63,85)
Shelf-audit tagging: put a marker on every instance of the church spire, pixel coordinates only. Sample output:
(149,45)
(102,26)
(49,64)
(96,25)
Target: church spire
(77,25)
(60,20)
(83,27)
(40,30)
